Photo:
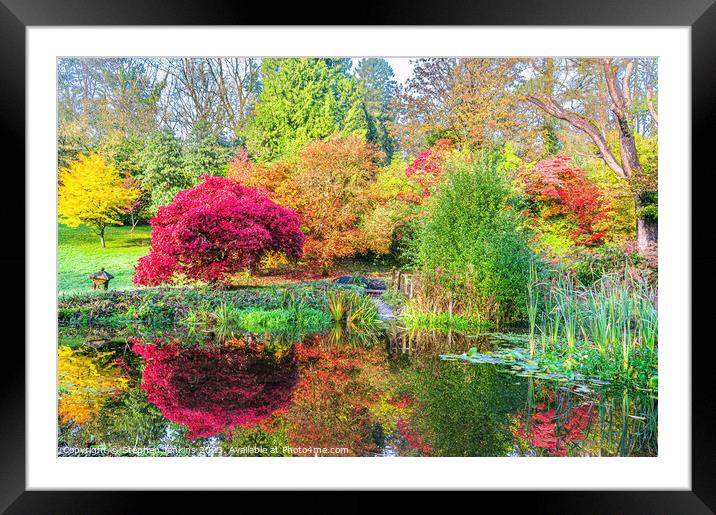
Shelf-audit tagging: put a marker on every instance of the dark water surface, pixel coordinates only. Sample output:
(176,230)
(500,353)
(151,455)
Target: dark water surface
(337,393)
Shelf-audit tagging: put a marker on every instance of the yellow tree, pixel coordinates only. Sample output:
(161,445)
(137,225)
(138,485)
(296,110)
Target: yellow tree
(91,192)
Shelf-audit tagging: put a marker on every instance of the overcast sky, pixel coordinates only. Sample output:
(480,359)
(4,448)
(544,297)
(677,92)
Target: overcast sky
(402,67)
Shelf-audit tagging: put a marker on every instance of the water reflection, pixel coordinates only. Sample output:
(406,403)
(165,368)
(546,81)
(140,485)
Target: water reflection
(338,393)
(86,381)
(212,389)
(576,421)
(464,410)
(413,343)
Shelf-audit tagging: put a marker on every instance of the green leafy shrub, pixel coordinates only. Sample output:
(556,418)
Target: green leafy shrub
(470,250)
(591,265)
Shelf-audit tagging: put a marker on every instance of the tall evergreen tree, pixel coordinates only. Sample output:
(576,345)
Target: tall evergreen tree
(163,173)
(205,152)
(303,100)
(379,89)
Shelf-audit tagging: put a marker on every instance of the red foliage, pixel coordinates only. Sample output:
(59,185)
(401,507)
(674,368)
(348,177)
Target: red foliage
(217,228)
(414,440)
(426,171)
(547,431)
(403,401)
(215,389)
(558,190)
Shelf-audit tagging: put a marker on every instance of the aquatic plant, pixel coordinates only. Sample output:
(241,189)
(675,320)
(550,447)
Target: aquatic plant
(600,317)
(566,303)
(532,305)
(224,314)
(337,304)
(361,310)
(551,322)
(226,317)
(355,308)
(616,315)
(419,319)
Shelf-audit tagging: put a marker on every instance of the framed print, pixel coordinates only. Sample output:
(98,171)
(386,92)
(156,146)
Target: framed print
(429,252)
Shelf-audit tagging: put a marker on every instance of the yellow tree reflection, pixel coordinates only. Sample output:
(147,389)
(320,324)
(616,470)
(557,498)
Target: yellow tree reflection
(85,383)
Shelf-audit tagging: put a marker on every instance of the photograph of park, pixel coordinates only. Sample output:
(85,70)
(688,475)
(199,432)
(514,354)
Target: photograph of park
(357,256)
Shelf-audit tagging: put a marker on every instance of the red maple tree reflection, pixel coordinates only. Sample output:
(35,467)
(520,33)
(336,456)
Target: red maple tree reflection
(210,390)
(551,431)
(413,439)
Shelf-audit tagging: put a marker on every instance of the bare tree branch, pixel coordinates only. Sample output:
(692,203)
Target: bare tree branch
(627,144)
(626,88)
(650,103)
(550,106)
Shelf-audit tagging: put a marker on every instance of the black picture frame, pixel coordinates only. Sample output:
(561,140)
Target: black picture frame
(700,15)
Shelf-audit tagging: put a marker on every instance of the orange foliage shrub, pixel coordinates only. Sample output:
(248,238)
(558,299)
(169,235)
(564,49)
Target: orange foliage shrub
(327,185)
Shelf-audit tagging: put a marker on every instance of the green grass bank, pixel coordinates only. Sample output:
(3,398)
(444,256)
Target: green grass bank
(79,253)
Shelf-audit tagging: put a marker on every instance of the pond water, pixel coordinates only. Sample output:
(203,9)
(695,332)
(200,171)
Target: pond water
(382,393)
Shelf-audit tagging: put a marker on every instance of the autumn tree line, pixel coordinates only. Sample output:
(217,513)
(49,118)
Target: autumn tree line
(360,157)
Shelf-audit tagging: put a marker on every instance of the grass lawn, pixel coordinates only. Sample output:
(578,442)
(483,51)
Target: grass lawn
(79,253)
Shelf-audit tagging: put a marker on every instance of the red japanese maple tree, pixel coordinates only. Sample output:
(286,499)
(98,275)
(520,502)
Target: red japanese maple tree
(558,190)
(216,228)
(427,170)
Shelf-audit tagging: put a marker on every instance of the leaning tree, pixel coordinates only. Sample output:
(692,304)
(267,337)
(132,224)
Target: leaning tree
(621,87)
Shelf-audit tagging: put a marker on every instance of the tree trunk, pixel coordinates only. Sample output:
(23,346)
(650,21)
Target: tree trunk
(646,229)
(101,237)
(647,232)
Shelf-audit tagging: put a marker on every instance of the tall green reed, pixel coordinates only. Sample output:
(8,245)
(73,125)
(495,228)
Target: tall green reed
(532,305)
(356,309)
(567,305)
(617,314)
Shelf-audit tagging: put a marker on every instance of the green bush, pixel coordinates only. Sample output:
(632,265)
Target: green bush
(591,265)
(470,244)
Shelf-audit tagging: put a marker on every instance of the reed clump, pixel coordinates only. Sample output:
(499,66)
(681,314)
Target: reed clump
(617,316)
(354,308)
